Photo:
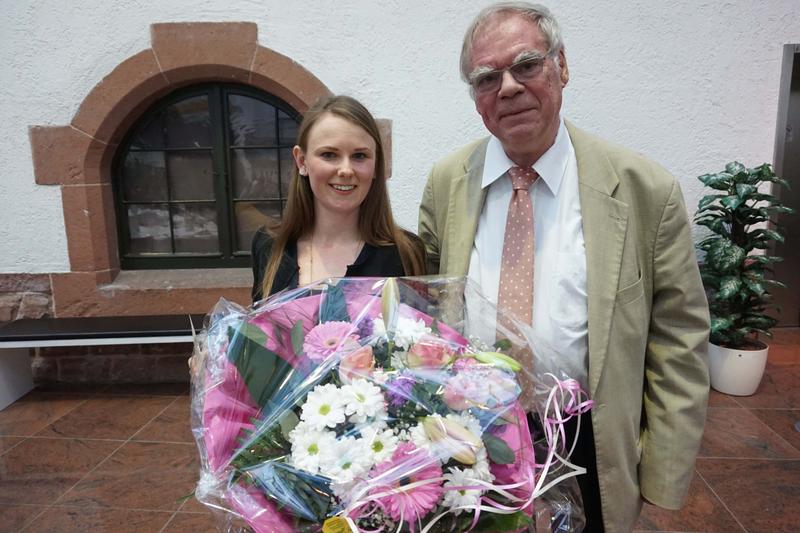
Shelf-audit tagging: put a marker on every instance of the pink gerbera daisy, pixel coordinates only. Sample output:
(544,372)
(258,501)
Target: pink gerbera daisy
(400,475)
(326,339)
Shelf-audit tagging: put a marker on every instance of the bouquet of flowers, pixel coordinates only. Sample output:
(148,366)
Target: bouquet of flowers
(366,405)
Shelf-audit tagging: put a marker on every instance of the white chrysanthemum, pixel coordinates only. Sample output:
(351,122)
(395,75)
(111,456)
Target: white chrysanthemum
(378,331)
(380,442)
(409,331)
(379,376)
(324,407)
(455,498)
(308,446)
(346,460)
(481,466)
(417,435)
(363,401)
(398,360)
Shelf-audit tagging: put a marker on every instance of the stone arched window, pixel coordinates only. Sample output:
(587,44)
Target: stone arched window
(79,158)
(198,173)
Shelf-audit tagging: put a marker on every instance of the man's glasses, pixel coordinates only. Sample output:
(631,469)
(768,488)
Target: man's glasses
(523,71)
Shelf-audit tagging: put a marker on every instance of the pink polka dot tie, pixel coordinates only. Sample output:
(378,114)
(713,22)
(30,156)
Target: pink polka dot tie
(516,266)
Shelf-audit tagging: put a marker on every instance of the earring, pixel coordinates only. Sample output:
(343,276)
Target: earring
(302,171)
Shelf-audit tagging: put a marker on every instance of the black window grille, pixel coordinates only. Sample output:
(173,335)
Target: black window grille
(199,173)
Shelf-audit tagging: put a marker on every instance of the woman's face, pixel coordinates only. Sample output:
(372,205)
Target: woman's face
(340,163)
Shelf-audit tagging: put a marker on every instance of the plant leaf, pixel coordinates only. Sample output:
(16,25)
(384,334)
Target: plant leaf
(334,306)
(725,256)
(728,287)
(298,337)
(499,452)
(262,369)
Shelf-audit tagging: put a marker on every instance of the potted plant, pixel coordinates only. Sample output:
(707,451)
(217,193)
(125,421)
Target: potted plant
(743,228)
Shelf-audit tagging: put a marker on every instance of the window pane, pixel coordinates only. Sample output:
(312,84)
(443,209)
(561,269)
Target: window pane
(188,123)
(250,216)
(252,122)
(151,136)
(144,177)
(195,227)
(287,128)
(287,171)
(191,175)
(148,229)
(255,173)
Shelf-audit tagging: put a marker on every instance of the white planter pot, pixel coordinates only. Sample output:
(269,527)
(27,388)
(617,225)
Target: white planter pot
(736,372)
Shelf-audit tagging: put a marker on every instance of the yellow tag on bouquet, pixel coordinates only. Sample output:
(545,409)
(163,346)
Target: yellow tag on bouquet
(336,524)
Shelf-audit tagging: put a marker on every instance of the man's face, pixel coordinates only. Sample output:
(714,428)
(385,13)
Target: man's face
(524,116)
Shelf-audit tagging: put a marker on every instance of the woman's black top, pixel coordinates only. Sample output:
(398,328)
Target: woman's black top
(373,261)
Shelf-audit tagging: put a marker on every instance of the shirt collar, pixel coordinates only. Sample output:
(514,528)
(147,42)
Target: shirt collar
(550,167)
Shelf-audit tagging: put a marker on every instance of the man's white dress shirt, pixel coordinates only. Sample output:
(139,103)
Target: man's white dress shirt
(560,308)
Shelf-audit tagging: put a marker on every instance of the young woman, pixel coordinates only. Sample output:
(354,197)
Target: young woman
(338,220)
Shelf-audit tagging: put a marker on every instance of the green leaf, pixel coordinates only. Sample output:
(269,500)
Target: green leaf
(334,306)
(706,201)
(770,234)
(262,369)
(729,286)
(754,286)
(725,256)
(720,181)
(721,323)
(298,337)
(502,345)
(503,522)
(735,168)
(744,190)
(498,450)
(731,202)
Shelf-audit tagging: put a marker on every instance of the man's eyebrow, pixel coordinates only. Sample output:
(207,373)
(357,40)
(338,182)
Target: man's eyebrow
(530,54)
(522,56)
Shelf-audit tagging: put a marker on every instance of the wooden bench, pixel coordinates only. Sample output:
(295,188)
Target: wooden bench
(18,337)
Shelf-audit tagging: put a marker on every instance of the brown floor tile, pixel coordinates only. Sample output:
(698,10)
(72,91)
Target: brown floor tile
(108,417)
(148,389)
(779,389)
(718,399)
(738,433)
(192,505)
(702,512)
(191,523)
(140,475)
(763,495)
(71,519)
(14,517)
(785,422)
(173,425)
(36,411)
(38,471)
(6,443)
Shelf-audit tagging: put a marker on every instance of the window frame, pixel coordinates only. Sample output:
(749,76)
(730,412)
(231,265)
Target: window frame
(221,149)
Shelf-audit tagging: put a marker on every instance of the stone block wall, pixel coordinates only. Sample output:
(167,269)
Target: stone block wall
(25,296)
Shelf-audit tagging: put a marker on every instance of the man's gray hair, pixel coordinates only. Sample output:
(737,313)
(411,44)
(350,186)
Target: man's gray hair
(539,14)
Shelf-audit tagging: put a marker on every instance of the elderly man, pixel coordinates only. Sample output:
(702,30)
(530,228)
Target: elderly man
(588,242)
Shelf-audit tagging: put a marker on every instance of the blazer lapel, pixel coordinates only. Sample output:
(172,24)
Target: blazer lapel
(605,221)
(464,210)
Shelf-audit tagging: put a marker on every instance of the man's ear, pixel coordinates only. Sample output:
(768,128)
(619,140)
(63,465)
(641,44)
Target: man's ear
(564,74)
(300,160)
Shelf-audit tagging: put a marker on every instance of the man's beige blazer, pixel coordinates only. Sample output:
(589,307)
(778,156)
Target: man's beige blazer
(648,316)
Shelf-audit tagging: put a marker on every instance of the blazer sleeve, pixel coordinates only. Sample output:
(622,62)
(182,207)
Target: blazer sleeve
(676,382)
(427,226)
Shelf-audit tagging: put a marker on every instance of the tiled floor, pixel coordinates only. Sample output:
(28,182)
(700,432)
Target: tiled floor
(122,459)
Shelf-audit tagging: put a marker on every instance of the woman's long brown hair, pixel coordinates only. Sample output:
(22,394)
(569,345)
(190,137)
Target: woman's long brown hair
(375,221)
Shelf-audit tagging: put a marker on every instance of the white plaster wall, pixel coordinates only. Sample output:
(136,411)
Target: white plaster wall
(691,83)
